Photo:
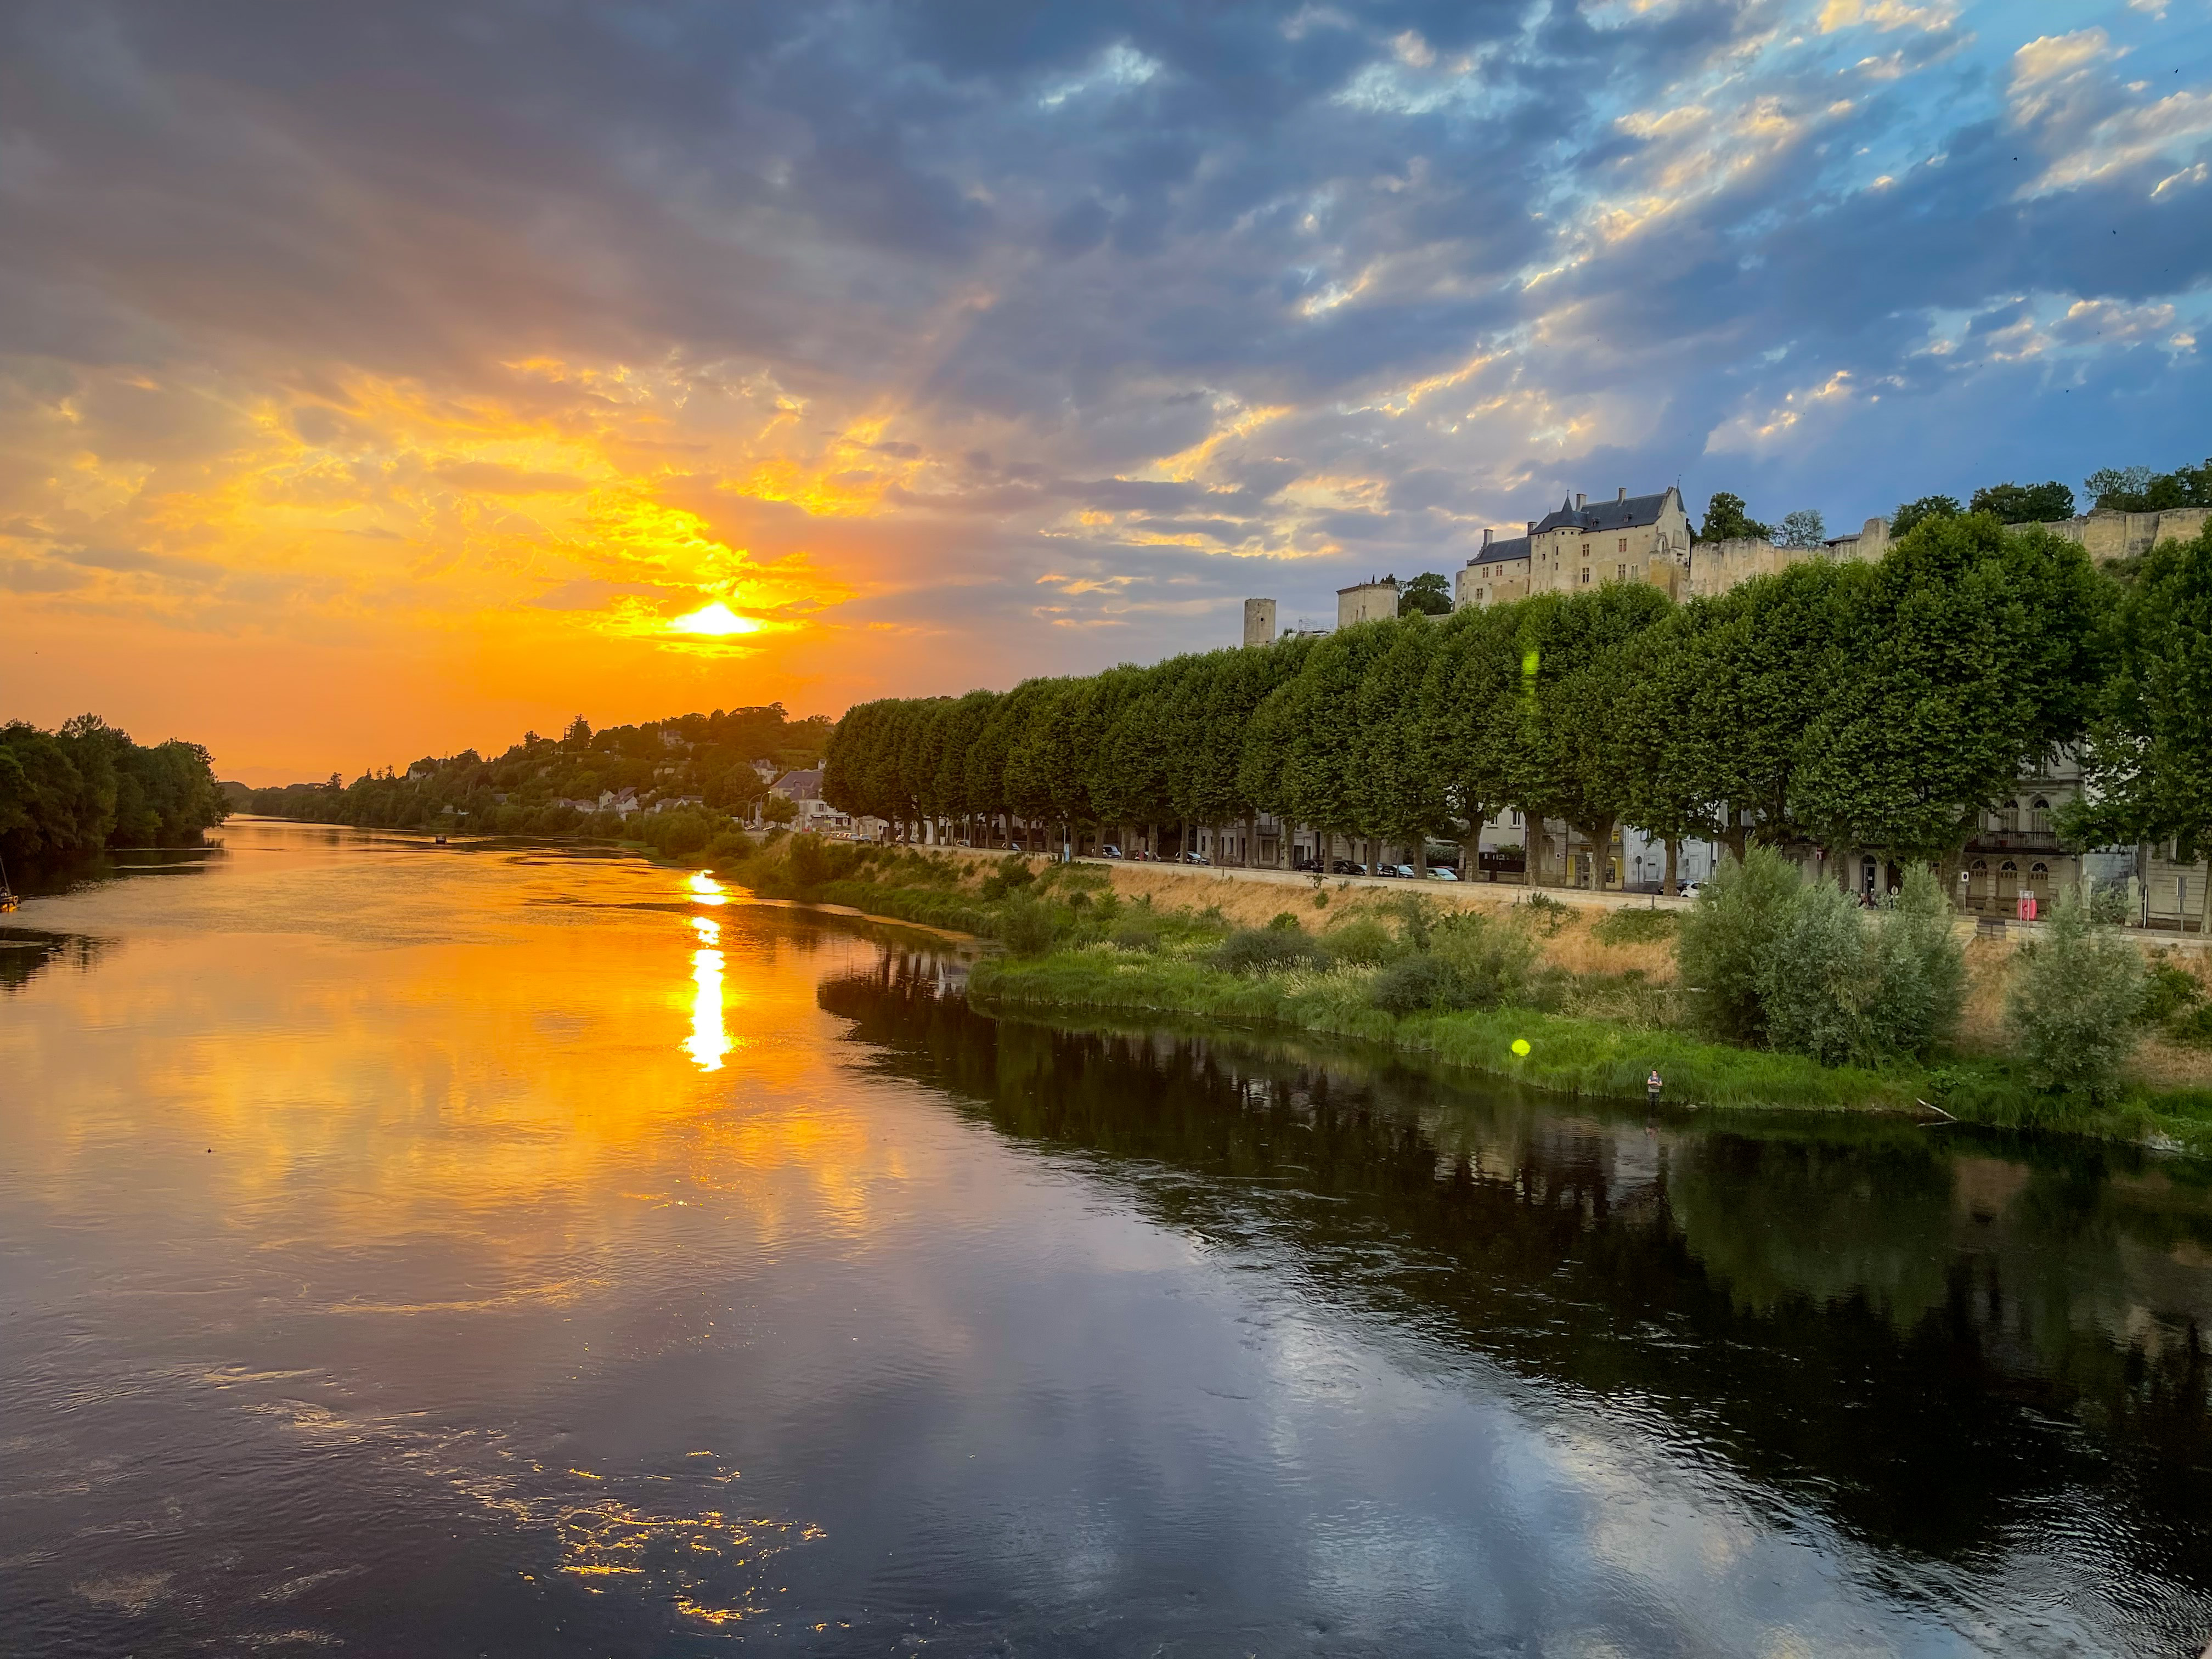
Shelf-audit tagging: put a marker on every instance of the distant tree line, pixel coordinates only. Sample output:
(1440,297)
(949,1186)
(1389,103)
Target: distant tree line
(88,787)
(705,761)
(1882,706)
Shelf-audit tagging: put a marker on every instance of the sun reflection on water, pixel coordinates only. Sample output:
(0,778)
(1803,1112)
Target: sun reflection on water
(710,1039)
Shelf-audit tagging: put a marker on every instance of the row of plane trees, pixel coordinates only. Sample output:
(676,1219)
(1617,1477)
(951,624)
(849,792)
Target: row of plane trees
(1879,706)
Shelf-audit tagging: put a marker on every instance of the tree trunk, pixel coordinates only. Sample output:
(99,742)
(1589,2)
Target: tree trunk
(1673,852)
(1600,852)
(2204,911)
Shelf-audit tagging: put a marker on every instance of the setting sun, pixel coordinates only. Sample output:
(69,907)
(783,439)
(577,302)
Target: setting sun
(716,619)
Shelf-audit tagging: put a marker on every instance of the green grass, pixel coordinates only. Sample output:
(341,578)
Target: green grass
(1169,978)
(1567,1054)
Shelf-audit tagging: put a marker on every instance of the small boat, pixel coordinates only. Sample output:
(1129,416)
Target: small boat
(441,840)
(8,899)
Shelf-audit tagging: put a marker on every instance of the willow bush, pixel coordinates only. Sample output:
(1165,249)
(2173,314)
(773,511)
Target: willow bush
(2072,1008)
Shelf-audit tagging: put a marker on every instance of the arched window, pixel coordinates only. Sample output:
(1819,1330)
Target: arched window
(2008,881)
(2039,880)
(2008,817)
(2038,815)
(1978,886)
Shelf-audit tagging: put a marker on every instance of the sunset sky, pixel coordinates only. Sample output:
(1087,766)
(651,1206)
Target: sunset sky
(382,379)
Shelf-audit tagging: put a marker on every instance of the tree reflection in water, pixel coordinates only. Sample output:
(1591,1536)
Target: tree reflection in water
(1949,1344)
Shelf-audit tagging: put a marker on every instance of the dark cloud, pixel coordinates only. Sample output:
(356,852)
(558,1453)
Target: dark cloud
(1377,273)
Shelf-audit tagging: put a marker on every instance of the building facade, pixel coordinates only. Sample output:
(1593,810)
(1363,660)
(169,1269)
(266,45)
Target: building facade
(1584,544)
(1368,600)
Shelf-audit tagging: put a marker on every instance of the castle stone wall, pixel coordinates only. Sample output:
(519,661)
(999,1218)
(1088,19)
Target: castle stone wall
(2110,535)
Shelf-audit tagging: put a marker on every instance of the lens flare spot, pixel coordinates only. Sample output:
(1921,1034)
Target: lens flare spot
(705,889)
(1521,1047)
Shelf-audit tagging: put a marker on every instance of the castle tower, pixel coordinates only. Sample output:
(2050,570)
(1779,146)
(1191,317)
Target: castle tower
(1259,622)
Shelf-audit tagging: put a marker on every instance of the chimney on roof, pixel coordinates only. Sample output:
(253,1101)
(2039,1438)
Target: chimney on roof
(1579,499)
(1624,493)
(1532,527)
(1485,541)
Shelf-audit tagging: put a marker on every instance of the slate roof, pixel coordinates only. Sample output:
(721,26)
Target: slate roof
(1497,552)
(799,786)
(1633,514)
(1594,518)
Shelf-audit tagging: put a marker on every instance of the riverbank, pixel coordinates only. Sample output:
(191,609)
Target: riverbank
(1599,1011)
(1567,1054)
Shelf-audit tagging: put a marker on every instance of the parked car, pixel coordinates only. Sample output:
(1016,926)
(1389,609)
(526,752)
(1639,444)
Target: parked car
(1311,865)
(1196,858)
(1404,870)
(1386,870)
(1109,852)
(1688,889)
(1345,867)
(1443,872)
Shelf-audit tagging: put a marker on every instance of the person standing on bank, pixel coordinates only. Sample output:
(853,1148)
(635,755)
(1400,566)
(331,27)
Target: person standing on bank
(1652,1085)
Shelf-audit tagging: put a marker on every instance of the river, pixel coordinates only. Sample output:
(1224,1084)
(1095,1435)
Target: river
(489,1250)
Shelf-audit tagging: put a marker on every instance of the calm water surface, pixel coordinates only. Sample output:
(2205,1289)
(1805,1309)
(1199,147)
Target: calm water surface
(453,1252)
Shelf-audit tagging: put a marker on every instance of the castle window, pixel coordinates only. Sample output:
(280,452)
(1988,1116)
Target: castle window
(1585,575)
(1586,549)
(1624,544)
(2038,815)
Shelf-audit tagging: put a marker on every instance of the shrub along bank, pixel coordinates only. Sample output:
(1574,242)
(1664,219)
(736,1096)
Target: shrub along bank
(1789,1002)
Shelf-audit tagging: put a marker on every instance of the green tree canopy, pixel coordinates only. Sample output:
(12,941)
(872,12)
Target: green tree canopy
(1726,520)
(1803,528)
(2012,503)
(2139,489)
(88,785)
(1910,514)
(2149,756)
(1960,665)
(1428,593)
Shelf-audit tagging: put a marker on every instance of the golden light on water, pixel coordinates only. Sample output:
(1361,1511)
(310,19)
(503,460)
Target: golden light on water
(715,620)
(709,1041)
